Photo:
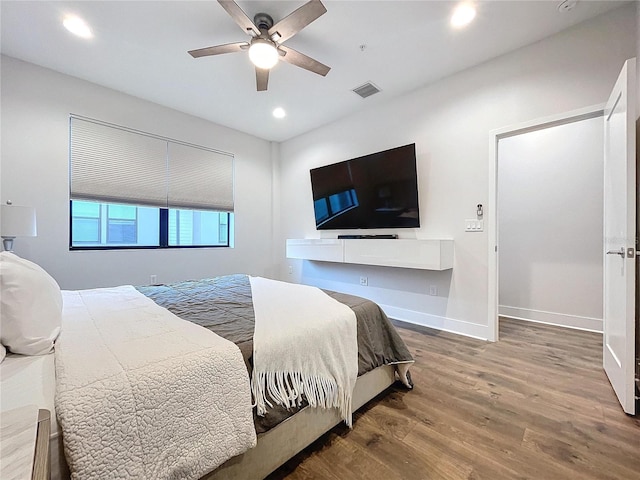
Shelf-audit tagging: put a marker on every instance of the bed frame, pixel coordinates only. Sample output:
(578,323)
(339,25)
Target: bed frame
(288,438)
(279,444)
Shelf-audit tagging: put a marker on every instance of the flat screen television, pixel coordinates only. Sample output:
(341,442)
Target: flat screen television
(379,190)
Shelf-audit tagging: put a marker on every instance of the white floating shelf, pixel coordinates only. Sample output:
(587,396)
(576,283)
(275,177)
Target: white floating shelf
(402,253)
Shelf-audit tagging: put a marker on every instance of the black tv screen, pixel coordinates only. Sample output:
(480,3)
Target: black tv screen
(379,190)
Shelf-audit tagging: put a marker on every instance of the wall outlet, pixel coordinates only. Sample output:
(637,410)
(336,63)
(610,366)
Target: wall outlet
(364,281)
(433,290)
(473,225)
(153,279)
(290,270)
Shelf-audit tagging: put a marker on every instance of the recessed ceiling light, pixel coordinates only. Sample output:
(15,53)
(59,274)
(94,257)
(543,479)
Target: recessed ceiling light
(463,15)
(77,26)
(279,112)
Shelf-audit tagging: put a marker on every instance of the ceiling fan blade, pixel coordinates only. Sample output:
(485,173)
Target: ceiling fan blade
(219,49)
(296,21)
(301,60)
(240,17)
(262,79)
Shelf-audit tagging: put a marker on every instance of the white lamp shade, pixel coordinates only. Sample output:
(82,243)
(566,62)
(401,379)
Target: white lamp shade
(263,54)
(17,221)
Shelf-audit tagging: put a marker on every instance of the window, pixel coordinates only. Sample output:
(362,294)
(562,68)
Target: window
(122,224)
(108,225)
(131,189)
(85,222)
(193,228)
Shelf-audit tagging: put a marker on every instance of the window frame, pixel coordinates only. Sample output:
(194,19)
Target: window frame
(163,235)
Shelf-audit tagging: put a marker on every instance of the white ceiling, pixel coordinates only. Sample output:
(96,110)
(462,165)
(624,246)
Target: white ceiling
(140,48)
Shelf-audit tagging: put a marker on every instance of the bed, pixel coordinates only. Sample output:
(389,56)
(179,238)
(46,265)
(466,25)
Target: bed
(220,305)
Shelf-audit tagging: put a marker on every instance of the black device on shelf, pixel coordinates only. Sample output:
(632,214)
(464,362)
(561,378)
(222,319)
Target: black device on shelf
(393,236)
(379,190)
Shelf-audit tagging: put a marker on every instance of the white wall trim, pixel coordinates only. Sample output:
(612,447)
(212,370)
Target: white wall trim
(437,322)
(551,121)
(491,219)
(415,317)
(552,318)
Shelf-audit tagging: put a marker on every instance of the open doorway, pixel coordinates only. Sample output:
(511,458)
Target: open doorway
(550,223)
(536,214)
(619,233)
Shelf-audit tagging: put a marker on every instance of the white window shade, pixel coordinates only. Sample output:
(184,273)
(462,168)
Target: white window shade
(199,179)
(111,164)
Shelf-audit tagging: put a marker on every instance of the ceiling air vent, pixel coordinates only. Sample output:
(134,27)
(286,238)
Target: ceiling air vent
(366,90)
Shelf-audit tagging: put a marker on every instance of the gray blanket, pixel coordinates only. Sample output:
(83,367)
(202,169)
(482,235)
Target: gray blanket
(224,306)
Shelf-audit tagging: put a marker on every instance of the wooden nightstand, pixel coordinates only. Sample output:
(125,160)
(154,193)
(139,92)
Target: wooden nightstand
(24,440)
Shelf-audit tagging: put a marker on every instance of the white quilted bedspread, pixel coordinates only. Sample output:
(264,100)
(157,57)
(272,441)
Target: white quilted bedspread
(142,394)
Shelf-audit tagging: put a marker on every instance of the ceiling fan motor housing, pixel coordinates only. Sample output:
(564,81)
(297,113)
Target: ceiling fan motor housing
(263,21)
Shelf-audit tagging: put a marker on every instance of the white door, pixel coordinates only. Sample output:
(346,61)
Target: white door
(619,236)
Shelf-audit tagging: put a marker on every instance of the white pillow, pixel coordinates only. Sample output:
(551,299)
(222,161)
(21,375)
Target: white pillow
(3,352)
(31,306)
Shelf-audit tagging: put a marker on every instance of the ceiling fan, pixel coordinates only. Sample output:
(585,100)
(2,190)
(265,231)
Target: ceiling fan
(266,45)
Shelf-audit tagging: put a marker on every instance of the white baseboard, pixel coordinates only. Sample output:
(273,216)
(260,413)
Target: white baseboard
(552,318)
(437,322)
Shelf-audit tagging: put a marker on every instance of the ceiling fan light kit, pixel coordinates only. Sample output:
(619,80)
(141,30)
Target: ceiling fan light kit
(263,53)
(266,46)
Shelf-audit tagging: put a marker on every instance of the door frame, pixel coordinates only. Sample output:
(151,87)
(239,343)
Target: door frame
(491,212)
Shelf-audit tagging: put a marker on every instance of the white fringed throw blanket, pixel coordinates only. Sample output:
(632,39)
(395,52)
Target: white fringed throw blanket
(142,394)
(305,343)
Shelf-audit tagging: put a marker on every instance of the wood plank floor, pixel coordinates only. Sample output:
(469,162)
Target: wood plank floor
(536,405)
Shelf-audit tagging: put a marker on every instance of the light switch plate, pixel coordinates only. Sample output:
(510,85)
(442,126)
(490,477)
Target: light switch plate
(473,225)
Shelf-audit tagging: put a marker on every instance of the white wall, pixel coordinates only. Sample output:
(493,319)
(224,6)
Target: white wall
(450,122)
(36,103)
(550,211)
